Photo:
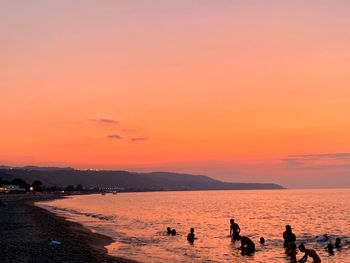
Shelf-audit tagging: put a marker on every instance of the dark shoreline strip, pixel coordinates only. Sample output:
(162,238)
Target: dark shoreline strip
(26,230)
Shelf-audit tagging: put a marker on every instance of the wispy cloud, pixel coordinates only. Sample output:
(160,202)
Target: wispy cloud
(328,167)
(319,156)
(114,136)
(292,162)
(317,161)
(138,139)
(105,121)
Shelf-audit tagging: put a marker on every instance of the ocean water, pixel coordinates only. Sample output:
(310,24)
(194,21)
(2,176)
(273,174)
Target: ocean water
(138,222)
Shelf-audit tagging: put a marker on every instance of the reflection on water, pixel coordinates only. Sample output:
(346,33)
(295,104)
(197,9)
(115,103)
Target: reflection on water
(138,222)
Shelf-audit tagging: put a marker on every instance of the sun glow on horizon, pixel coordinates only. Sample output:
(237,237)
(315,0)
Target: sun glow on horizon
(230,89)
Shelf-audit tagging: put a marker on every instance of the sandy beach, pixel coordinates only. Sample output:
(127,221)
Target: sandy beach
(26,231)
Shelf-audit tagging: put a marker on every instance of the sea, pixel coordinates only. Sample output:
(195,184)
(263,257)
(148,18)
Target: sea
(138,221)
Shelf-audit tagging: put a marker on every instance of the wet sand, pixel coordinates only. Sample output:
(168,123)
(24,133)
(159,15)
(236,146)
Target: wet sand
(26,230)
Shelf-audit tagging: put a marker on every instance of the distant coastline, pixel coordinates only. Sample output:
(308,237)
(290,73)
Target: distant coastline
(123,181)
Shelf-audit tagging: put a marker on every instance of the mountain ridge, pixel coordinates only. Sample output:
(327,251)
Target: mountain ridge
(130,181)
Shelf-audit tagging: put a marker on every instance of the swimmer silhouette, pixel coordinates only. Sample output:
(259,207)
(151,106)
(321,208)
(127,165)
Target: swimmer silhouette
(337,243)
(288,236)
(308,252)
(247,246)
(262,240)
(330,248)
(173,232)
(168,230)
(190,237)
(234,230)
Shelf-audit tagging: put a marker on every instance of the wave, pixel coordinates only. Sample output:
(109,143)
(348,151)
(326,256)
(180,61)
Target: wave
(75,212)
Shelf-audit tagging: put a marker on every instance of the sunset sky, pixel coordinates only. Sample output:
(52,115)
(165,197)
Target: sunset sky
(242,91)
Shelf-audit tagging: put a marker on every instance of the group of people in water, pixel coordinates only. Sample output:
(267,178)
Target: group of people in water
(248,246)
(291,248)
(190,238)
(171,231)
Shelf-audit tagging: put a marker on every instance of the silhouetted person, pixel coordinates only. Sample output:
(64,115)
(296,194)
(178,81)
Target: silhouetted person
(234,230)
(262,240)
(308,252)
(190,237)
(288,236)
(168,230)
(173,232)
(337,243)
(247,245)
(330,248)
(292,252)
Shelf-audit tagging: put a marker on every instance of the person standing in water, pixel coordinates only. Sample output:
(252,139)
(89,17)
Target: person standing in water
(288,236)
(292,252)
(234,230)
(309,252)
(190,237)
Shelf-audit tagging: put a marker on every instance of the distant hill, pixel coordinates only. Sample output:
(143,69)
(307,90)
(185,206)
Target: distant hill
(156,181)
(36,168)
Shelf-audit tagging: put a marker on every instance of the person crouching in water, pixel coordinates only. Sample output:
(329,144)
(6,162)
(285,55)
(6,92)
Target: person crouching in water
(308,252)
(190,237)
(234,230)
(247,246)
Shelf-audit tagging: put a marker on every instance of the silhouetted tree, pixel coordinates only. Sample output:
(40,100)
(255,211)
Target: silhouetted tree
(20,183)
(70,188)
(53,188)
(37,185)
(3,182)
(79,187)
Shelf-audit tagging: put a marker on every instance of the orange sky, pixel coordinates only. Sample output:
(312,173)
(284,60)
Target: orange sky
(224,88)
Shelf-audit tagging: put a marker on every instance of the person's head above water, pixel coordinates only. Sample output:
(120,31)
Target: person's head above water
(262,240)
(192,230)
(173,232)
(168,230)
(330,247)
(232,221)
(302,247)
(337,241)
(289,228)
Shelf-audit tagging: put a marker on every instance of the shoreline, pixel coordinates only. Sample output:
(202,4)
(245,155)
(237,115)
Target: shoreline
(26,231)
